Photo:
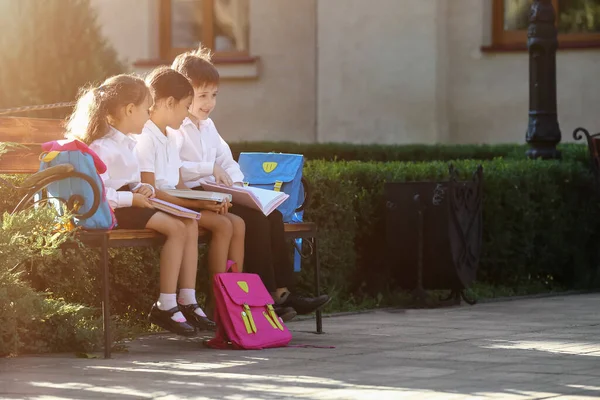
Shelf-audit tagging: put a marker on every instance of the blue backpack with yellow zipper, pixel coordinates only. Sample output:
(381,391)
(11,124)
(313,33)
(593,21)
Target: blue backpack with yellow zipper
(282,173)
(279,172)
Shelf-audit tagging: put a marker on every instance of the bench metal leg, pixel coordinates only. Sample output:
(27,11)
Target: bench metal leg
(319,316)
(105,296)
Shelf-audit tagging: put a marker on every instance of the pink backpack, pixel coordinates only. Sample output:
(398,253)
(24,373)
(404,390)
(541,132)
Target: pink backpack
(244,313)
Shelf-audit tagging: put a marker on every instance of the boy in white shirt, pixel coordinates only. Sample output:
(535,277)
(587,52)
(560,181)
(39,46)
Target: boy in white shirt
(206,156)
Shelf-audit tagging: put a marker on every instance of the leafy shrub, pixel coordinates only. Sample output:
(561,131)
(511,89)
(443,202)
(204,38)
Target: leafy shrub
(539,220)
(50,49)
(31,321)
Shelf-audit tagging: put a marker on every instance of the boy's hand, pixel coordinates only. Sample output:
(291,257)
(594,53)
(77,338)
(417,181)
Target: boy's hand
(145,191)
(139,200)
(221,176)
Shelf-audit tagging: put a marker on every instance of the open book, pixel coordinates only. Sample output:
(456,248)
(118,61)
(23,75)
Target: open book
(199,195)
(258,199)
(174,209)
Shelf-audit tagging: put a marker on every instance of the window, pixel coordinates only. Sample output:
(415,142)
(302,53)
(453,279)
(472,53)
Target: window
(222,25)
(578,23)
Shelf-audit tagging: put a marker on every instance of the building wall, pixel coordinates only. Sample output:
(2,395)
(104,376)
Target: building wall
(278,104)
(489,93)
(413,72)
(382,71)
(377,71)
(130,26)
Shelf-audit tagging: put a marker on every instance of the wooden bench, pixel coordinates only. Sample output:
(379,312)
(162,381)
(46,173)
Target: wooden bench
(30,133)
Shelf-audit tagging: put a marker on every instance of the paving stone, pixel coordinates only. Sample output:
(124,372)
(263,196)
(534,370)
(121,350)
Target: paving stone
(524,349)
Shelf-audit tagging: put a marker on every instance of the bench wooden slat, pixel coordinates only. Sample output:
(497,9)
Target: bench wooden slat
(30,130)
(30,133)
(149,234)
(300,227)
(21,161)
(121,234)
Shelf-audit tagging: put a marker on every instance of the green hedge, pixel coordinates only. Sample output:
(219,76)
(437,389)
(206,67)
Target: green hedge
(540,219)
(360,152)
(386,153)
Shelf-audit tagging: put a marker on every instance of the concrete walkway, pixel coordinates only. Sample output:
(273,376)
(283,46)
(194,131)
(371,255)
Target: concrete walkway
(528,349)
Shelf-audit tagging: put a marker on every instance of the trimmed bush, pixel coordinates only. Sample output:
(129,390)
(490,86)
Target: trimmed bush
(413,153)
(539,220)
(383,153)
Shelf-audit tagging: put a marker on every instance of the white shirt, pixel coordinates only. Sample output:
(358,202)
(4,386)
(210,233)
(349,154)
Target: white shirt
(159,154)
(116,151)
(200,148)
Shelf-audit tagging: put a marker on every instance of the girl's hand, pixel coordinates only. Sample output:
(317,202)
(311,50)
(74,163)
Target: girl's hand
(225,206)
(145,190)
(141,201)
(209,205)
(214,206)
(221,176)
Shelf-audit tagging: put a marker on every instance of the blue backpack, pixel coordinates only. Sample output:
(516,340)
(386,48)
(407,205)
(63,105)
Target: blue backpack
(79,189)
(279,172)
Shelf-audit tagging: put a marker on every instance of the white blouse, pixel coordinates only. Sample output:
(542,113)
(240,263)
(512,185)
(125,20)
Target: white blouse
(159,155)
(116,151)
(200,148)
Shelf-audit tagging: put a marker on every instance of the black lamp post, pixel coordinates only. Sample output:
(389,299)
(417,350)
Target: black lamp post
(543,132)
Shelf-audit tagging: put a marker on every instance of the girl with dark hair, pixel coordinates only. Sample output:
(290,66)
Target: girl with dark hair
(158,155)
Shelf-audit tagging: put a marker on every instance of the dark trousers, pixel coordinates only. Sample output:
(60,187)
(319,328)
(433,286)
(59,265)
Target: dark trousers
(266,251)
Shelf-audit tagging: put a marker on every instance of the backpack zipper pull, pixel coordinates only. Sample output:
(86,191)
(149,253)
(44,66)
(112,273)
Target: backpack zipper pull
(246,322)
(250,319)
(274,316)
(268,317)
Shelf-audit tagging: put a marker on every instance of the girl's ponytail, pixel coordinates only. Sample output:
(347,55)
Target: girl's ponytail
(96,105)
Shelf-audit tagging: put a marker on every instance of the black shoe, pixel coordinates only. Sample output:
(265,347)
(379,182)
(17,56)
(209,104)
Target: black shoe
(305,305)
(163,319)
(285,313)
(197,321)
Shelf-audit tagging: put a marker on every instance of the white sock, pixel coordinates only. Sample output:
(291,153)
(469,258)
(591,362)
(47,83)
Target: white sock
(167,301)
(188,296)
